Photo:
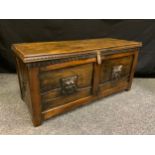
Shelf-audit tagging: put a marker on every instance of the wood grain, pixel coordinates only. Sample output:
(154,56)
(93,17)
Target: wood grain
(30,52)
(107,66)
(34,85)
(132,70)
(50,102)
(51,79)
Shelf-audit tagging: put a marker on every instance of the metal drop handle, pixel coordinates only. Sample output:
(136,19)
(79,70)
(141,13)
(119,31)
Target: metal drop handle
(99,59)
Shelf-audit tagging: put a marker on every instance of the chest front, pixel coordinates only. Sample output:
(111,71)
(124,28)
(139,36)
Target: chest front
(58,76)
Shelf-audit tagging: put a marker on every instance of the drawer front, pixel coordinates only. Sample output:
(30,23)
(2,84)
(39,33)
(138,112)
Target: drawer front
(65,85)
(115,72)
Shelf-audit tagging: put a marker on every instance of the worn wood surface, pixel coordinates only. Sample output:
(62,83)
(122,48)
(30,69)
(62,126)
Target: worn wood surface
(51,88)
(24,83)
(133,67)
(107,66)
(51,79)
(97,68)
(30,52)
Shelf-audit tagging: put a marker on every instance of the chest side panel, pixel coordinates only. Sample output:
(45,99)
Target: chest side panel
(23,82)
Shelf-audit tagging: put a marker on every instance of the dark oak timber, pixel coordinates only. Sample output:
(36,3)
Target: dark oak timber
(55,77)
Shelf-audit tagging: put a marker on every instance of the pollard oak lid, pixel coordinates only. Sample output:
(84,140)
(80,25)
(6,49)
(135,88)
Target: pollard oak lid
(32,52)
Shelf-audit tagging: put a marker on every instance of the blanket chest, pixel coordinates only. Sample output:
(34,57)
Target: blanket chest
(55,77)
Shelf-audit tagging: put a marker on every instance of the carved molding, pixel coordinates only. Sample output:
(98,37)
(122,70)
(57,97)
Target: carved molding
(61,60)
(76,57)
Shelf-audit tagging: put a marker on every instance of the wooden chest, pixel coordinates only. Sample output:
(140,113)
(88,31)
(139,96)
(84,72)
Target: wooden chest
(55,77)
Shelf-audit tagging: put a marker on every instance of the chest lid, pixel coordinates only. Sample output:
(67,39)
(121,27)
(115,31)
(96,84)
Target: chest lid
(32,52)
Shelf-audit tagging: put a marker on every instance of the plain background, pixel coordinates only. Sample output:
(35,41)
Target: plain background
(77,144)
